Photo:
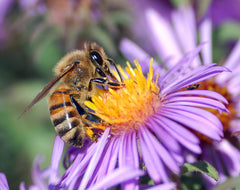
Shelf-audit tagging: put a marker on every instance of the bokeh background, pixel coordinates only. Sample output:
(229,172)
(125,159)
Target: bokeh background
(35,34)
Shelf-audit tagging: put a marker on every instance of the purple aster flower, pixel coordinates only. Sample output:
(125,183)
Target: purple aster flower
(180,35)
(145,124)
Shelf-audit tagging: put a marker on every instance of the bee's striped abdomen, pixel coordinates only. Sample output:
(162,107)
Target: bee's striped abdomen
(65,117)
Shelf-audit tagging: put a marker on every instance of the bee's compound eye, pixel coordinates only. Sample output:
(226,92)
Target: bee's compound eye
(96,57)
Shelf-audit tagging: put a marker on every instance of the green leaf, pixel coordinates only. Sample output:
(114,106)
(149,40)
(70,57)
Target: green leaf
(177,3)
(229,31)
(229,184)
(201,166)
(122,18)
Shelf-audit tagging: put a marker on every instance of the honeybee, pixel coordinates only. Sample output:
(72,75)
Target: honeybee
(79,72)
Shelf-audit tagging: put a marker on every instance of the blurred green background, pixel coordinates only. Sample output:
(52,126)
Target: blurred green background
(34,35)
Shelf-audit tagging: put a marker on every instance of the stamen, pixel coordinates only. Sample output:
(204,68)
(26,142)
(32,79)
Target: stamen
(127,108)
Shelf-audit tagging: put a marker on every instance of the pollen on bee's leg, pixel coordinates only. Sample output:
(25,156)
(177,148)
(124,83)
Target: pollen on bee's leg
(89,121)
(91,134)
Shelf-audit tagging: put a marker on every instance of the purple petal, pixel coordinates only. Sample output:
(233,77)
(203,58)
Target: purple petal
(5,5)
(200,74)
(195,119)
(175,129)
(232,62)
(128,153)
(233,81)
(114,154)
(230,155)
(38,176)
(179,70)
(34,187)
(207,93)
(131,158)
(126,159)
(185,28)
(93,163)
(22,186)
(196,102)
(119,175)
(224,10)
(122,149)
(208,118)
(102,167)
(211,155)
(134,149)
(153,164)
(79,165)
(163,153)
(217,162)
(165,186)
(205,31)
(70,156)
(132,52)
(167,140)
(3,181)
(56,158)
(163,37)
(234,57)
(164,137)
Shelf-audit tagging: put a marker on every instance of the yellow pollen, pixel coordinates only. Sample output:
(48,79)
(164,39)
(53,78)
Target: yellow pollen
(126,108)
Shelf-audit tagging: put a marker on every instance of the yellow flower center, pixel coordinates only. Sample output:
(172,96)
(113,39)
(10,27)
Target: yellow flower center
(127,108)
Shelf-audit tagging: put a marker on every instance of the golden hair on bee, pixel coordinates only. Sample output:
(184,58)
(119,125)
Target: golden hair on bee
(67,61)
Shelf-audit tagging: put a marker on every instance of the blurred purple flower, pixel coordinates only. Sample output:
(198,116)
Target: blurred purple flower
(174,38)
(47,178)
(224,10)
(3,182)
(32,7)
(138,27)
(165,34)
(227,153)
(5,6)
